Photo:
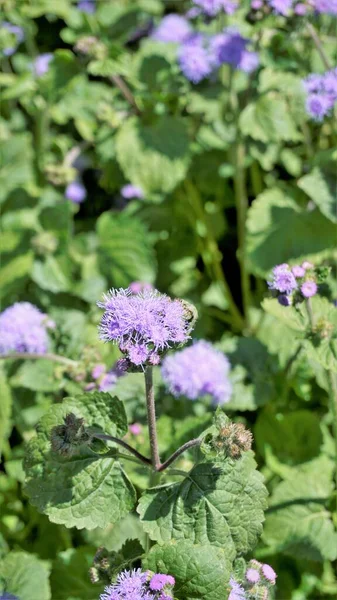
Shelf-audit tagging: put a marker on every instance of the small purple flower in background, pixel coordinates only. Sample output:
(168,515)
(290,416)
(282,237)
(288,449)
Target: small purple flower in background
(140,286)
(197,371)
(211,8)
(144,324)
(98,371)
(321,93)
(249,61)
(41,64)
(172,28)
(17,32)
(284,300)
(252,575)
(231,48)
(135,428)
(309,289)
(307,265)
(269,573)
(76,192)
(108,381)
(86,6)
(194,58)
(7,596)
(159,581)
(23,329)
(282,7)
(237,592)
(298,271)
(301,9)
(130,191)
(326,6)
(256,4)
(283,279)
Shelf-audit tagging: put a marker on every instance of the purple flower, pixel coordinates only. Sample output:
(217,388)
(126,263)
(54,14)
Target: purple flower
(98,371)
(249,61)
(326,6)
(196,371)
(172,28)
(212,7)
(194,58)
(309,288)
(307,265)
(252,575)
(143,324)
(7,596)
(282,279)
(269,573)
(86,6)
(108,381)
(237,592)
(41,64)
(136,585)
(284,300)
(282,7)
(229,47)
(159,581)
(318,106)
(18,34)
(130,191)
(256,4)
(298,271)
(301,9)
(321,93)
(76,192)
(23,329)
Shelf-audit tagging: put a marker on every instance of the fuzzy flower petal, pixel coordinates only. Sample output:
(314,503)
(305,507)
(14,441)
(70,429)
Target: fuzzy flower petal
(23,329)
(309,288)
(172,28)
(130,191)
(269,573)
(237,592)
(159,581)
(76,192)
(198,370)
(283,279)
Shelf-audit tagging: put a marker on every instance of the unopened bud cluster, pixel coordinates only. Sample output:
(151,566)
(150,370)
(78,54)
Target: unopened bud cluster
(60,174)
(66,438)
(292,285)
(227,438)
(254,583)
(91,46)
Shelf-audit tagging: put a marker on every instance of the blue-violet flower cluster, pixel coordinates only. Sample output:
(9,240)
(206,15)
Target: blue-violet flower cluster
(138,585)
(211,8)
(144,325)
(130,191)
(23,328)
(198,370)
(76,192)
(258,580)
(172,28)
(293,284)
(321,93)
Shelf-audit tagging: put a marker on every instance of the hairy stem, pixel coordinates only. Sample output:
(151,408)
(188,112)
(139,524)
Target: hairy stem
(333,404)
(313,34)
(151,418)
(37,355)
(111,438)
(310,313)
(177,453)
(241,201)
(126,92)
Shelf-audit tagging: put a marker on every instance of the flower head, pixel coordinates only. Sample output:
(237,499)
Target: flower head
(130,191)
(140,286)
(172,28)
(135,428)
(18,37)
(7,596)
(194,58)
(282,7)
(236,590)
(23,329)
(143,324)
(211,8)
(86,6)
(283,279)
(159,581)
(309,288)
(298,271)
(198,370)
(41,64)
(136,585)
(269,573)
(284,300)
(76,192)
(252,575)
(326,6)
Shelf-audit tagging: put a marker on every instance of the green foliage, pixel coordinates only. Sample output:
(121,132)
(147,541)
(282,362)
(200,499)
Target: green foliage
(25,576)
(84,489)
(218,504)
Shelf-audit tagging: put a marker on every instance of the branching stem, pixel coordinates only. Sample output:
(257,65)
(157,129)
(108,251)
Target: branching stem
(37,355)
(126,92)
(151,418)
(177,453)
(313,34)
(111,438)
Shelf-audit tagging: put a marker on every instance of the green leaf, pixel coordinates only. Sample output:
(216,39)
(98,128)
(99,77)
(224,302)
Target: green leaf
(321,186)
(24,576)
(16,164)
(279,230)
(85,489)
(70,575)
(125,251)
(218,504)
(294,438)
(322,346)
(298,522)
(200,571)
(49,275)
(14,273)
(155,157)
(269,120)
(38,376)
(5,409)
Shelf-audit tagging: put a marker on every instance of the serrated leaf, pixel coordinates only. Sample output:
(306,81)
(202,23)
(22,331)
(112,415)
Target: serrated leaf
(200,571)
(321,187)
(49,275)
(25,576)
(70,575)
(269,120)
(125,253)
(298,522)
(85,489)
(218,504)
(279,230)
(155,157)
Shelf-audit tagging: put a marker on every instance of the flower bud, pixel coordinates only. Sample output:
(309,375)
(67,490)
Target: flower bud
(69,436)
